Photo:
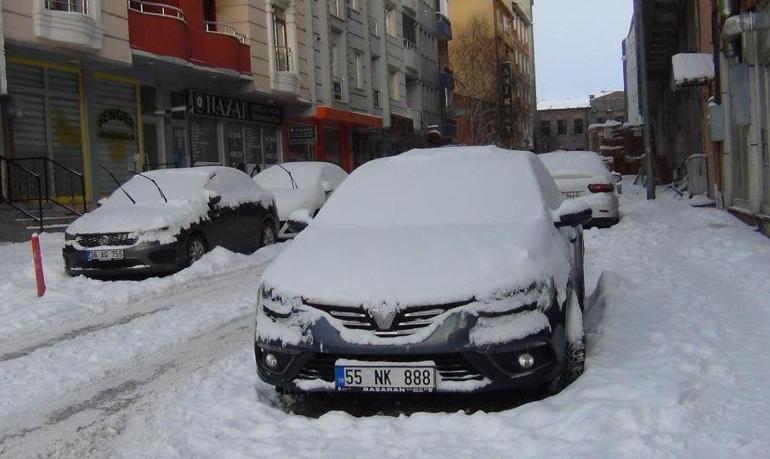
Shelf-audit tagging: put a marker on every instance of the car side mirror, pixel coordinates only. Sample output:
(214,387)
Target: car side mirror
(327,186)
(214,200)
(298,220)
(572,212)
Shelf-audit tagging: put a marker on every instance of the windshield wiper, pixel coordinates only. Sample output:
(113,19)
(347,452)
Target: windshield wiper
(118,182)
(293,182)
(162,194)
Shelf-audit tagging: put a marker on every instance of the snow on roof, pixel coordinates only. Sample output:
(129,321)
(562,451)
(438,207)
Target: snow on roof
(606,124)
(564,104)
(692,69)
(572,163)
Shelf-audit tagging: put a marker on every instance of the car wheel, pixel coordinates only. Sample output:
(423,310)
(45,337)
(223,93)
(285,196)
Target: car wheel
(196,248)
(574,347)
(268,236)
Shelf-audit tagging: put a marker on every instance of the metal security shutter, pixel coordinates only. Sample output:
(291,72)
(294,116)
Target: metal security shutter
(115,133)
(64,118)
(27,89)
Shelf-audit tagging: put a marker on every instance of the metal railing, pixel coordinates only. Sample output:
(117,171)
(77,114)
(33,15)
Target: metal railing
(69,6)
(21,185)
(156,9)
(61,186)
(283,58)
(224,29)
(409,44)
(374,26)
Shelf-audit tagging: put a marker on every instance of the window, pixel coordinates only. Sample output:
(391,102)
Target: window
(391,21)
(72,6)
(395,86)
(359,70)
(545,127)
(578,126)
(281,41)
(561,127)
(355,4)
(409,26)
(209,11)
(337,8)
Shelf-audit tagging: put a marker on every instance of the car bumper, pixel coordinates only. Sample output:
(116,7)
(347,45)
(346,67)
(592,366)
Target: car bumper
(604,208)
(460,366)
(141,259)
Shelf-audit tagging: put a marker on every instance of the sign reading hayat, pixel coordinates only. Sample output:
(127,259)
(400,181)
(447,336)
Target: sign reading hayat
(226,107)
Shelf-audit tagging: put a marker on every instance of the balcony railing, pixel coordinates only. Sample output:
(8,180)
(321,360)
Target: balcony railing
(409,44)
(70,6)
(283,58)
(374,26)
(225,29)
(156,9)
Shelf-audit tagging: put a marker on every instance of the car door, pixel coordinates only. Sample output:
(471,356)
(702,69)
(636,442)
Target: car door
(239,213)
(223,224)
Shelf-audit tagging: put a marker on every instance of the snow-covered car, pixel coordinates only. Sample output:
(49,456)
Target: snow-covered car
(164,220)
(302,186)
(450,270)
(583,175)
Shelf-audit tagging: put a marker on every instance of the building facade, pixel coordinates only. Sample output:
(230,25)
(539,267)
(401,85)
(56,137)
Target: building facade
(98,88)
(562,125)
(608,106)
(508,26)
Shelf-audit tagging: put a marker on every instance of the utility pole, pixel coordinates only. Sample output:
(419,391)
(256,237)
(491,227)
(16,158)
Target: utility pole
(641,60)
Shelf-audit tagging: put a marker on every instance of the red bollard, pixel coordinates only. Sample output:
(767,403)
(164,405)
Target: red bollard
(38,259)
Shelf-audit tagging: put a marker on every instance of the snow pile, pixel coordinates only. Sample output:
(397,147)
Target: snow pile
(71,299)
(692,69)
(564,104)
(675,368)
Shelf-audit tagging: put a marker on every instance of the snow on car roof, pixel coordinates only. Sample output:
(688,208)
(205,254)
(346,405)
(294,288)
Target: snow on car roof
(562,164)
(305,173)
(466,185)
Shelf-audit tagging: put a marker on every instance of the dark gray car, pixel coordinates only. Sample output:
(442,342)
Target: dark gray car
(448,270)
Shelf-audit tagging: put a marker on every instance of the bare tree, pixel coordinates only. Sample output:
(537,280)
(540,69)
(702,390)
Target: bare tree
(475,65)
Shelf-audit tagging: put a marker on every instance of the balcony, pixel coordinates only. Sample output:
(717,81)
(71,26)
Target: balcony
(411,57)
(158,28)
(284,77)
(443,27)
(223,47)
(70,23)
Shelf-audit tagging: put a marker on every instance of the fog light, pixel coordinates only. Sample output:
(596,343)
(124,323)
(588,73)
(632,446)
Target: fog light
(271,361)
(526,361)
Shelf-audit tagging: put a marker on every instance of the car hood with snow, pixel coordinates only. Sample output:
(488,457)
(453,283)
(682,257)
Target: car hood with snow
(288,200)
(429,227)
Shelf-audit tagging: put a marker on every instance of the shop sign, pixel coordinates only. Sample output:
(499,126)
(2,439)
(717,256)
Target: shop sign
(302,135)
(115,124)
(226,107)
(507,99)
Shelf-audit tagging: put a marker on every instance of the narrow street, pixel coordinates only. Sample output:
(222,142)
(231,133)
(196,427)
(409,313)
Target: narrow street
(675,367)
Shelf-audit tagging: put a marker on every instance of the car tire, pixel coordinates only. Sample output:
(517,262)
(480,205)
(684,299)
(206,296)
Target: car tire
(574,348)
(195,248)
(268,236)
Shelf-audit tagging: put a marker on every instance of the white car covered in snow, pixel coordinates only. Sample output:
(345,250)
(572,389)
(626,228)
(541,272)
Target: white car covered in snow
(583,175)
(449,269)
(300,189)
(161,221)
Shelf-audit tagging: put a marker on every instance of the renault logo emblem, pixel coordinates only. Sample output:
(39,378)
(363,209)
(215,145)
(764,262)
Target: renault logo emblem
(383,316)
(104,240)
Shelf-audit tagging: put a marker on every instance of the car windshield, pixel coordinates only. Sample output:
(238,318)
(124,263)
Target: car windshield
(306,174)
(177,185)
(469,185)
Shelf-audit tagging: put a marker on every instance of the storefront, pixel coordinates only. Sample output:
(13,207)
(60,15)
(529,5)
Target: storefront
(332,135)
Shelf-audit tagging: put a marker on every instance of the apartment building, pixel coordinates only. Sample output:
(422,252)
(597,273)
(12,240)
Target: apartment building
(377,84)
(562,125)
(509,25)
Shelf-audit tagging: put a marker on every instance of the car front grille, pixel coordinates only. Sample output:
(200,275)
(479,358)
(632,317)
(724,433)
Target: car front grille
(451,367)
(405,323)
(572,194)
(105,240)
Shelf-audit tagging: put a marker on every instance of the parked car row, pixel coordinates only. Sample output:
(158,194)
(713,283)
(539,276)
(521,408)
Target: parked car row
(162,221)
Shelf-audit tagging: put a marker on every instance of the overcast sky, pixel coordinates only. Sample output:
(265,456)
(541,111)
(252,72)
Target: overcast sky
(578,46)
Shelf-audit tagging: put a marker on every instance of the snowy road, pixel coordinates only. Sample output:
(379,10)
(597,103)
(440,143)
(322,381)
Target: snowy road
(676,365)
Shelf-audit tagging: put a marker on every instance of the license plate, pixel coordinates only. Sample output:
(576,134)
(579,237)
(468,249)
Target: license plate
(572,194)
(106,255)
(385,377)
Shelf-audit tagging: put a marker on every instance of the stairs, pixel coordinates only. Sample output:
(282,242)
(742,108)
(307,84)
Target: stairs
(17,227)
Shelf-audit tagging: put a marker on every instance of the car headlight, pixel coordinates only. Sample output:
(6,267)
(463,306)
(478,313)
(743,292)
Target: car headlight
(536,297)
(70,237)
(273,306)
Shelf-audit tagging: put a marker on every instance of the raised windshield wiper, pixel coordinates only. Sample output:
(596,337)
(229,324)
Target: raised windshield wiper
(162,194)
(118,182)
(293,182)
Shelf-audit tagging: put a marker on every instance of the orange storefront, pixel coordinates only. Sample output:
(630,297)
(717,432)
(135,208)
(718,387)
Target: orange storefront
(331,135)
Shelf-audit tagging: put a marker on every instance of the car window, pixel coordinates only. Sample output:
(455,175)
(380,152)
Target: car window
(232,185)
